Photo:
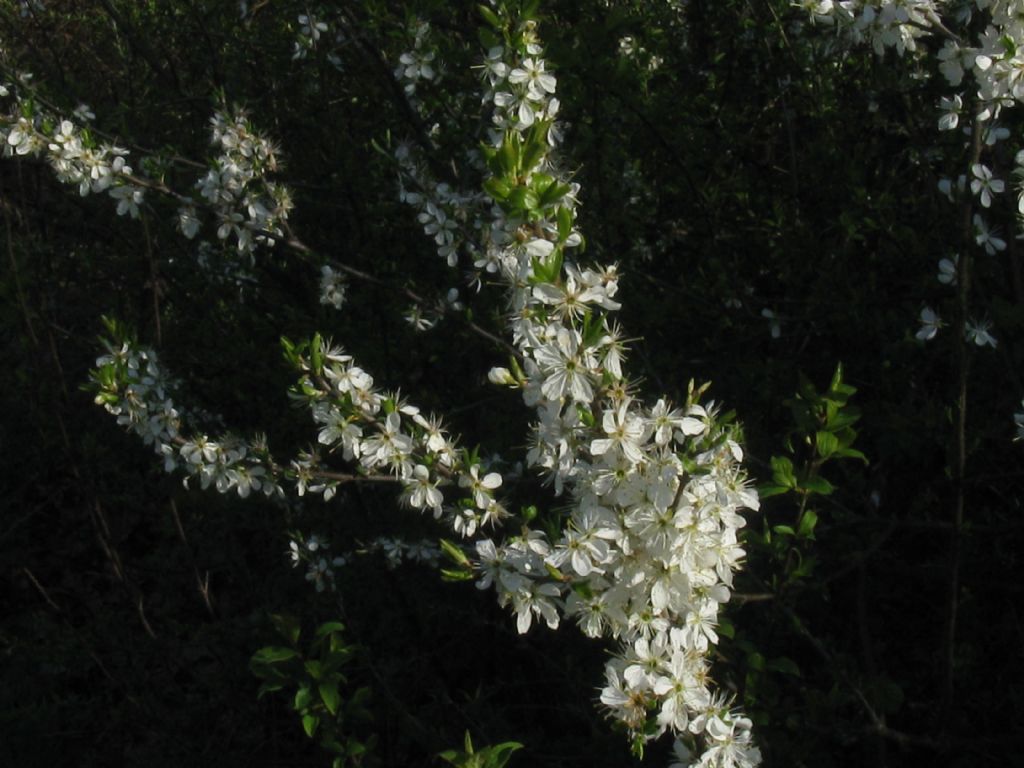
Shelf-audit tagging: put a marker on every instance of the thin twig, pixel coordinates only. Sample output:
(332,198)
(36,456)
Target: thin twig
(63,616)
(877,724)
(341,477)
(202,584)
(19,290)
(960,437)
(154,278)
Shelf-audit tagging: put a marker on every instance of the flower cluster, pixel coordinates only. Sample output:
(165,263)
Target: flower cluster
(994,61)
(132,386)
(418,64)
(246,204)
(648,548)
(396,551)
(884,24)
(77,158)
(310,30)
(521,92)
(444,212)
(313,552)
(997,68)
(388,436)
(332,287)
(645,548)
(423,318)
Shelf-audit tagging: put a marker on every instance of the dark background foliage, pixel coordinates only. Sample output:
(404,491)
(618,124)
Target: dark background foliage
(737,160)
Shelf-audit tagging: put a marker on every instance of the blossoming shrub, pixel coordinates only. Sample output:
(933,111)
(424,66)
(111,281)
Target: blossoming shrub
(645,554)
(764,185)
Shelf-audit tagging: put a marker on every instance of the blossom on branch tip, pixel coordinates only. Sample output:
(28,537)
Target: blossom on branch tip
(930,324)
(947,270)
(984,185)
(950,112)
(977,331)
(987,238)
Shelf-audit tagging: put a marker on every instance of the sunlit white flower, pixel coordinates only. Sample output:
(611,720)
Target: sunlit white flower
(984,185)
(996,133)
(947,270)
(978,332)
(950,112)
(930,324)
(987,238)
(332,287)
(947,188)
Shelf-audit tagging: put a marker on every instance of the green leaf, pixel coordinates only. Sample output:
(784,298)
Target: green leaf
(328,628)
(273,654)
(826,443)
(553,192)
(269,687)
(455,553)
(536,146)
(508,155)
(340,651)
(540,181)
(303,698)
(784,665)
(448,574)
(288,347)
(782,472)
(330,696)
(489,16)
(837,377)
(593,330)
(786,530)
(564,223)
(331,745)
(500,754)
(767,491)
(497,188)
(807,523)
(523,199)
(554,265)
(355,749)
(309,724)
(553,572)
(847,417)
(287,626)
(818,484)
(851,453)
(316,354)
(586,416)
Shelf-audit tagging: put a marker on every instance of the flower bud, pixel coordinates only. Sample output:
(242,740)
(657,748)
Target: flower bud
(501,376)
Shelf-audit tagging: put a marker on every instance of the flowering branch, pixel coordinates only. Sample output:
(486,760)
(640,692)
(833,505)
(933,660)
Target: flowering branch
(646,551)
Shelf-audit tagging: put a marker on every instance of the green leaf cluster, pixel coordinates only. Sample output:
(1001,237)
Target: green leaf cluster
(321,700)
(496,756)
